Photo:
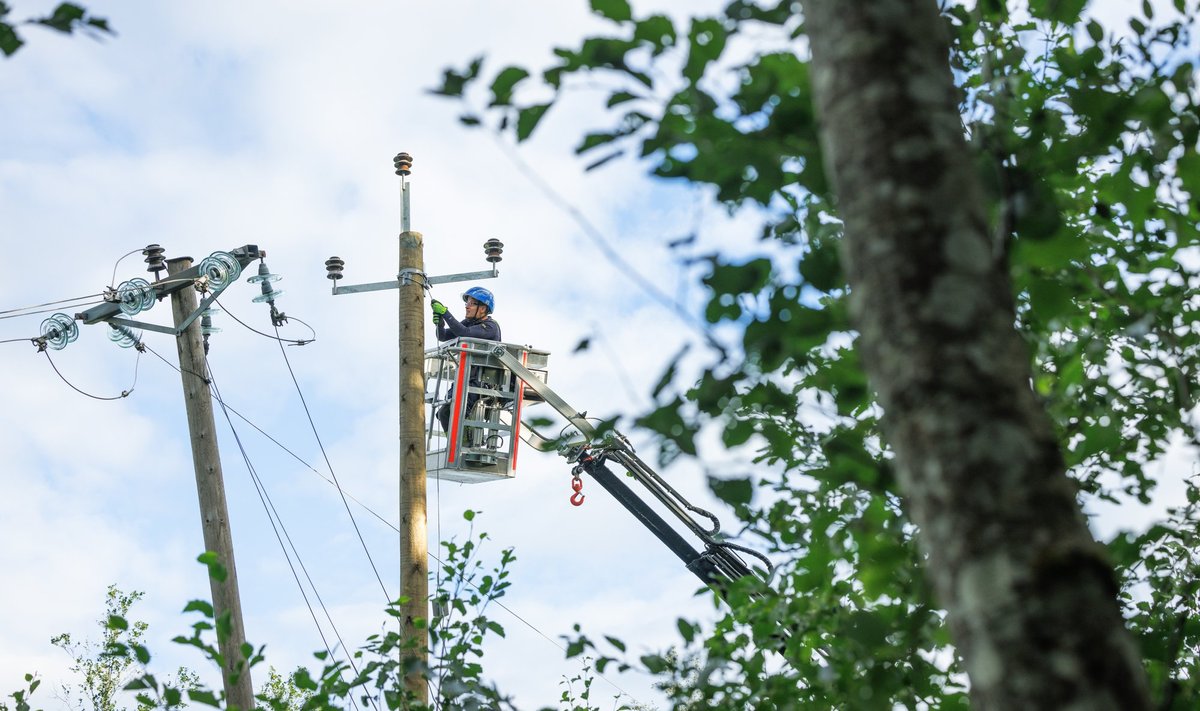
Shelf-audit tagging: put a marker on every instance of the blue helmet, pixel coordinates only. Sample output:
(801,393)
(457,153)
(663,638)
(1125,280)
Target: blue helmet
(481,295)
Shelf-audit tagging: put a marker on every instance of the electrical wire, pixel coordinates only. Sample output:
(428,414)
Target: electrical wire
(332,473)
(113,281)
(124,393)
(277,525)
(374,513)
(48,303)
(27,312)
(276,337)
(183,370)
(597,237)
(19,340)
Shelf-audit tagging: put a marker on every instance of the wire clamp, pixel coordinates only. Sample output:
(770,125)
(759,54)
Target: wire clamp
(405,277)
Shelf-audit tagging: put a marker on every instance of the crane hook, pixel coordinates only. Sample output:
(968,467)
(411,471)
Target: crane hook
(577,487)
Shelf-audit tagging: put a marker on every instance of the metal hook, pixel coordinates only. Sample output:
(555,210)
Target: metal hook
(577,487)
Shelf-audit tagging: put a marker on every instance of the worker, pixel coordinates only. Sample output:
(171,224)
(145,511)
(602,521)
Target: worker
(477,323)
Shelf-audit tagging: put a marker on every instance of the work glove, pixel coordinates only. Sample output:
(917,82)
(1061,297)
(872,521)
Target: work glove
(438,308)
(437,320)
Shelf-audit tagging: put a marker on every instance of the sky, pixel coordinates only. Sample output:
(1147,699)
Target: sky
(207,126)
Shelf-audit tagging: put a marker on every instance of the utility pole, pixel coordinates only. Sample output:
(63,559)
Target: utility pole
(411,282)
(414,535)
(210,486)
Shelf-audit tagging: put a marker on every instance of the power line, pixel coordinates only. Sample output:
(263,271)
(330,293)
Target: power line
(329,464)
(273,517)
(51,307)
(48,303)
(598,239)
(291,341)
(374,513)
(124,393)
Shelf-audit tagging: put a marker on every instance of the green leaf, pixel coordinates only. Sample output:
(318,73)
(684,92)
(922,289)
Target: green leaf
(216,570)
(656,30)
(686,629)
(10,42)
(528,119)
(202,606)
(116,622)
(735,492)
(615,10)
(454,83)
(504,84)
(203,696)
(655,664)
(64,17)
(822,266)
(1062,11)
(616,643)
(706,42)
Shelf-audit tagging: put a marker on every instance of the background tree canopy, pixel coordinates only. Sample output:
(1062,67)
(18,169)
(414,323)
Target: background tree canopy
(1078,149)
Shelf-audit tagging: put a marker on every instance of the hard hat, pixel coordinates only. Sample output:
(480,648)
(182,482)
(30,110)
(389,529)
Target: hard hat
(481,295)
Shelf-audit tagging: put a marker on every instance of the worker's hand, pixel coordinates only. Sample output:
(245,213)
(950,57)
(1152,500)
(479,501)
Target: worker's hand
(437,319)
(438,309)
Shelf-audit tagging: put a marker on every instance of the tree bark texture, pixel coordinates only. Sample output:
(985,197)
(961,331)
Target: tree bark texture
(1030,595)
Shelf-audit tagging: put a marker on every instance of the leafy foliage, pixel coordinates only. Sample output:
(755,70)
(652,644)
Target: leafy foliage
(1086,140)
(65,18)
(373,677)
(104,673)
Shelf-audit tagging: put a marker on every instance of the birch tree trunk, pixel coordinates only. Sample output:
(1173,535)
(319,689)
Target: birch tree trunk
(1030,595)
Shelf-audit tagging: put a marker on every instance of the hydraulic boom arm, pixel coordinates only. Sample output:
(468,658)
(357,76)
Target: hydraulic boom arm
(717,564)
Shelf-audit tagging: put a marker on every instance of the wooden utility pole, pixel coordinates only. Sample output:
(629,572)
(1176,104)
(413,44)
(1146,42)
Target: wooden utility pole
(411,282)
(210,486)
(414,537)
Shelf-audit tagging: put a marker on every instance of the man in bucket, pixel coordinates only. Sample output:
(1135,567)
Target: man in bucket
(477,323)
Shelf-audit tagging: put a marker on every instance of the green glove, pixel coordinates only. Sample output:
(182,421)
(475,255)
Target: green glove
(437,319)
(438,309)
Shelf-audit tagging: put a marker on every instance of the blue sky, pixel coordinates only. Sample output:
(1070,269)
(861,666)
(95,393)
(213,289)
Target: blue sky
(206,126)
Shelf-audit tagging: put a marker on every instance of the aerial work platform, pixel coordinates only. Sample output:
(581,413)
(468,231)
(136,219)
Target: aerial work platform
(468,379)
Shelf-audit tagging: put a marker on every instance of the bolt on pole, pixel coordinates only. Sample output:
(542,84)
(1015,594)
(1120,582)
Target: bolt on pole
(210,487)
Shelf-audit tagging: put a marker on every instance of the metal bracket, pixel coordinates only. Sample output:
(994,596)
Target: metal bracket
(167,329)
(572,415)
(404,279)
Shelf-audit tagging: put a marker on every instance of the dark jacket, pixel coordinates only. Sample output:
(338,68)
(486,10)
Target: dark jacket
(450,328)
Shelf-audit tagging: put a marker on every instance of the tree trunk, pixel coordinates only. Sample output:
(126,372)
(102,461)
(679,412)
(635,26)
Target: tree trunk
(1030,594)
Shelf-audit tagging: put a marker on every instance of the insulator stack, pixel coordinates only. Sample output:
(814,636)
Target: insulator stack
(124,336)
(493,248)
(59,330)
(206,318)
(403,163)
(135,296)
(264,279)
(154,259)
(334,267)
(221,269)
